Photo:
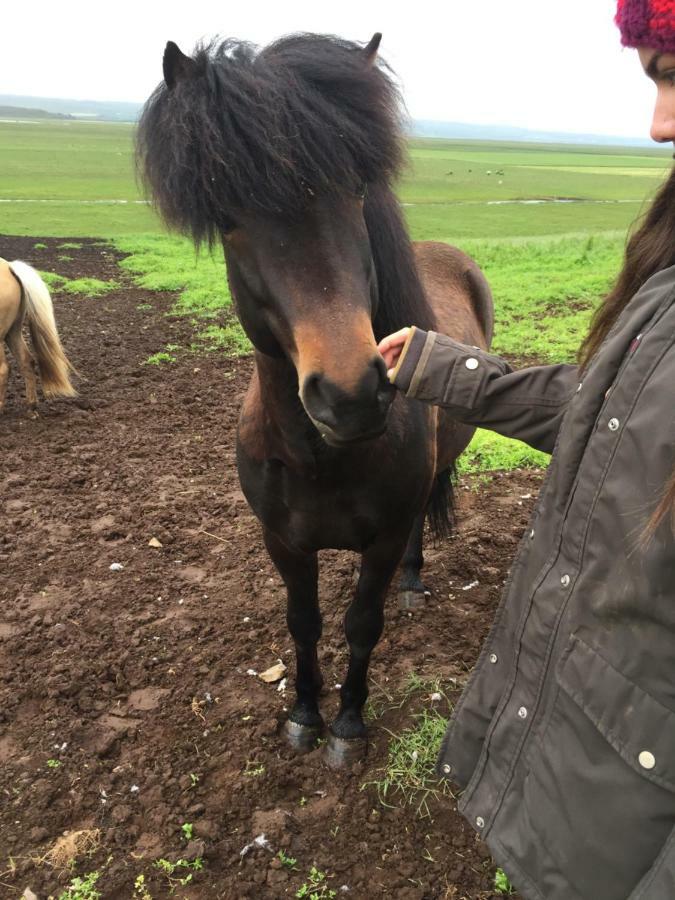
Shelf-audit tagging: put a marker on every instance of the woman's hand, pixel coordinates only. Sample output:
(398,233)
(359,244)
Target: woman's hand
(391,346)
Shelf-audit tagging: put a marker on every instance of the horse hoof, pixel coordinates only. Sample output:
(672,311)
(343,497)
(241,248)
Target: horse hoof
(302,738)
(342,753)
(412,599)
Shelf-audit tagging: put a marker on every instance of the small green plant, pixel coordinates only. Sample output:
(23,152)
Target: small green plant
(39,246)
(70,245)
(158,358)
(140,889)
(254,769)
(316,888)
(64,258)
(182,865)
(502,883)
(82,888)
(303,801)
(53,763)
(188,830)
(287,861)
(194,779)
(144,306)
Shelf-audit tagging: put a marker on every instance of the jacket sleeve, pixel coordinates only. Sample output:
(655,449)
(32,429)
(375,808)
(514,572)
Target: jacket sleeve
(480,389)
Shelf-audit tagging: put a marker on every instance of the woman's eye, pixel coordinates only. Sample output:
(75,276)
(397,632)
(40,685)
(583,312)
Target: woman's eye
(669,77)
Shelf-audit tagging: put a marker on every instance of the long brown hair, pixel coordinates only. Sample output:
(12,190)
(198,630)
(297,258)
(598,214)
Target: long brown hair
(650,249)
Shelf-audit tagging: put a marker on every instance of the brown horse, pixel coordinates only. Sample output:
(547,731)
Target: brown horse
(23,294)
(287,155)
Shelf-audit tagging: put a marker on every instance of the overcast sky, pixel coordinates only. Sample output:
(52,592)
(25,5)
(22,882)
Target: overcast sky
(538,64)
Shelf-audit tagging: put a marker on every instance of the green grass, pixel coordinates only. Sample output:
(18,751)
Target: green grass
(88,287)
(490,452)
(409,778)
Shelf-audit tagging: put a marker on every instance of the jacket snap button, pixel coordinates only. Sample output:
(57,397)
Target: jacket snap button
(522,712)
(565,580)
(480,822)
(647,760)
(471,363)
(532,534)
(447,769)
(613,424)
(493,658)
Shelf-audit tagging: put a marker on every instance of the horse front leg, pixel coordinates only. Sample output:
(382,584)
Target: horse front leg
(364,621)
(300,572)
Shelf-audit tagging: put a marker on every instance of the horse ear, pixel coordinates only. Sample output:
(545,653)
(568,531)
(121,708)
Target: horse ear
(370,52)
(176,65)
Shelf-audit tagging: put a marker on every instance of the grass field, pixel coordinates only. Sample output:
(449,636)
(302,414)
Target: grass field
(546,222)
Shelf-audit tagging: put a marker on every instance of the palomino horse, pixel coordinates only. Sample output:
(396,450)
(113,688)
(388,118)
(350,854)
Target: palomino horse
(287,155)
(23,294)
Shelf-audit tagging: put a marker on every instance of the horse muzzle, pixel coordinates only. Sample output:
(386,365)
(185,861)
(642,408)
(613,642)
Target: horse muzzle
(345,417)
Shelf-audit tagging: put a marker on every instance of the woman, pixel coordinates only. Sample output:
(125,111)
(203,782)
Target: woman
(564,740)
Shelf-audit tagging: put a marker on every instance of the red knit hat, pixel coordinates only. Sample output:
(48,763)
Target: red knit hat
(647,23)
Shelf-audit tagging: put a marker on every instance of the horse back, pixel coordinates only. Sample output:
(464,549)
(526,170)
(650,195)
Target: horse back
(458,293)
(461,300)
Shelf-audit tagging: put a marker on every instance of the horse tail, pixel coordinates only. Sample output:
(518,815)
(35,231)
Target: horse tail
(441,505)
(53,364)
(481,298)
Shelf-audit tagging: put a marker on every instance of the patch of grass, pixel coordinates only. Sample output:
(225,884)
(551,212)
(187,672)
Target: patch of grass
(90,287)
(53,763)
(188,830)
(64,258)
(70,245)
(158,358)
(170,263)
(490,452)
(82,888)
(228,338)
(545,291)
(39,246)
(408,778)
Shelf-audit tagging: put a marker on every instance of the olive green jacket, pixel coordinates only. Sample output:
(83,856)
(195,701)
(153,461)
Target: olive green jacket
(563,742)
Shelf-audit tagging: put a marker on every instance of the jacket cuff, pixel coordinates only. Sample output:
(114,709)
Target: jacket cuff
(448,373)
(409,359)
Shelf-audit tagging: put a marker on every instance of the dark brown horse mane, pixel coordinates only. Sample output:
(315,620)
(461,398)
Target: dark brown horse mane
(262,131)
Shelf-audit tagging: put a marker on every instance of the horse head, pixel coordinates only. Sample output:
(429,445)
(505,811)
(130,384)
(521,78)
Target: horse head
(278,153)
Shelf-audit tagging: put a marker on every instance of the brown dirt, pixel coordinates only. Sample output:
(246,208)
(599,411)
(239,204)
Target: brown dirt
(135,681)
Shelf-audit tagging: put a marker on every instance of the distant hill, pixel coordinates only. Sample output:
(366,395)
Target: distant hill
(25,112)
(466,131)
(101,110)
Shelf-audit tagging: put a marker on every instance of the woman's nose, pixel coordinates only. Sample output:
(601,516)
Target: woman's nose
(663,123)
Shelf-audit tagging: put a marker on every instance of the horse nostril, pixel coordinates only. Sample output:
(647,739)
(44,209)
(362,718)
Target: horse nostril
(317,399)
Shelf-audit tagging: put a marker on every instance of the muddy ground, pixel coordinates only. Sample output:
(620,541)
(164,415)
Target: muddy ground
(126,704)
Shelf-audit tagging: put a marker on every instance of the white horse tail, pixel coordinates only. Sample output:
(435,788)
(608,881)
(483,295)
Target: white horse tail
(54,366)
